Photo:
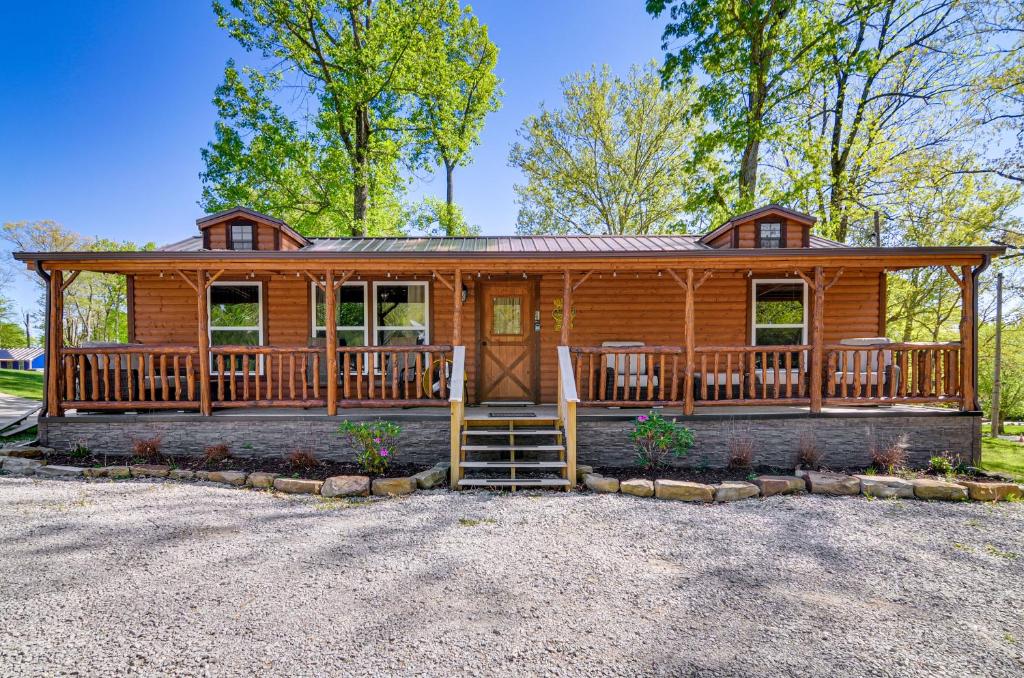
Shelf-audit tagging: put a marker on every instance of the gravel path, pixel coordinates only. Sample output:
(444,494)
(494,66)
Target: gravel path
(151,578)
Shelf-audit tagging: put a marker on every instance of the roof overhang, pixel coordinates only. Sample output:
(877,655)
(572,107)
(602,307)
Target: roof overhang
(253,215)
(892,258)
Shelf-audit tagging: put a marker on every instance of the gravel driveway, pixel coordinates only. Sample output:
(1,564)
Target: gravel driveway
(150,578)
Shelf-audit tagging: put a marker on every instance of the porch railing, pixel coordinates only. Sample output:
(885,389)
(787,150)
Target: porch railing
(130,377)
(395,376)
(267,376)
(884,373)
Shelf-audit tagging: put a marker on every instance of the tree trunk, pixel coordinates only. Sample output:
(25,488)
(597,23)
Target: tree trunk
(449,171)
(361,174)
(748,170)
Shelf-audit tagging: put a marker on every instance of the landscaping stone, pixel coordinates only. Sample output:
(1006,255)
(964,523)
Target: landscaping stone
(734,491)
(261,479)
(391,486)
(297,485)
(834,484)
(59,472)
(581,472)
(638,487)
(150,471)
(596,483)
(181,474)
(681,490)
(236,478)
(108,472)
(346,486)
(28,452)
(992,491)
(202,475)
(21,466)
(432,477)
(929,488)
(885,487)
(772,485)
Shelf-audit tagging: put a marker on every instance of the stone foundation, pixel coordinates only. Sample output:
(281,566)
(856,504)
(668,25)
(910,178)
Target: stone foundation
(603,436)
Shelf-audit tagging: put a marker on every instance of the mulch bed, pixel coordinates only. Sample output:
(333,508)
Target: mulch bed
(323,470)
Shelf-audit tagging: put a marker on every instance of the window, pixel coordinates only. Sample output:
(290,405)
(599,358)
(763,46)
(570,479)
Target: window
(769,235)
(780,312)
(507,315)
(236,314)
(350,313)
(241,236)
(400,313)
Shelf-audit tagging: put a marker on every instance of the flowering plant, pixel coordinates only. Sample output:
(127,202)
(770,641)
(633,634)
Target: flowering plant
(376,443)
(654,438)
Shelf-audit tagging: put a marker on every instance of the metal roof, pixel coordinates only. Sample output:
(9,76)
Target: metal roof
(20,353)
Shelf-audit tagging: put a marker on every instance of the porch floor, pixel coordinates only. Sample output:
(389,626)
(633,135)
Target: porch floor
(480,413)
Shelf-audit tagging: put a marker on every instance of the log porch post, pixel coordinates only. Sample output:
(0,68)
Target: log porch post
(457,308)
(203,340)
(331,343)
(566,307)
(817,339)
(967,305)
(689,339)
(55,344)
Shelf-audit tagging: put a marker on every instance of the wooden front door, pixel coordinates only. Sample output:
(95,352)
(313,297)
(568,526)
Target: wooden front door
(507,342)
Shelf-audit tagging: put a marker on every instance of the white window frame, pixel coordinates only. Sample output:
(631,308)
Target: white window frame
(348,328)
(754,326)
(252,237)
(426,308)
(210,327)
(761,224)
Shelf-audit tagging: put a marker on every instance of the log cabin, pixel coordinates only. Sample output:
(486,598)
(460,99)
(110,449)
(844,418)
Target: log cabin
(514,357)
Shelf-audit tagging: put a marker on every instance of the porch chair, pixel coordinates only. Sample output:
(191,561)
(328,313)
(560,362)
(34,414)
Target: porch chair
(870,371)
(623,370)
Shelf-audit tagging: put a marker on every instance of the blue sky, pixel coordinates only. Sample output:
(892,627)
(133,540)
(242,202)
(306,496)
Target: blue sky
(105,106)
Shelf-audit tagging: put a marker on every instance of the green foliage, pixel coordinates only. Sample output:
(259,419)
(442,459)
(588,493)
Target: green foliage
(940,465)
(376,443)
(435,217)
(616,158)
(1003,456)
(22,383)
(655,438)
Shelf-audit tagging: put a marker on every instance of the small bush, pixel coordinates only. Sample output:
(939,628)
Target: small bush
(809,452)
(147,448)
(79,451)
(889,456)
(941,465)
(376,443)
(655,438)
(302,460)
(214,454)
(741,451)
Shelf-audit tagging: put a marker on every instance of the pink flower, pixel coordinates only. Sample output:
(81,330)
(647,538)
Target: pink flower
(376,440)
(642,418)
(383,451)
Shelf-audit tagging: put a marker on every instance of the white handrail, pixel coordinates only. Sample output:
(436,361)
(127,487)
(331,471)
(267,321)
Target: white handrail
(568,378)
(457,386)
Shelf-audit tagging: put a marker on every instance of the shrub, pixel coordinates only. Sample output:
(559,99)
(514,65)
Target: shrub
(891,455)
(941,465)
(302,460)
(376,443)
(809,452)
(147,448)
(655,438)
(214,454)
(79,451)
(741,451)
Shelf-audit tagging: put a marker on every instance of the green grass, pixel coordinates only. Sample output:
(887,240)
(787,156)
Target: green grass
(1003,456)
(22,383)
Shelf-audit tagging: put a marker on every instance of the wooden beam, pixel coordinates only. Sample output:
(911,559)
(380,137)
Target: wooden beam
(343,279)
(703,279)
(968,390)
(688,318)
(213,278)
(817,338)
(678,279)
(582,280)
(316,281)
(184,277)
(331,325)
(203,340)
(959,281)
(883,302)
(55,344)
(835,278)
(566,307)
(440,278)
(67,283)
(456,289)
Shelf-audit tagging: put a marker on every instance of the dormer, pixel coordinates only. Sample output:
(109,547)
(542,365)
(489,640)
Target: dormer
(245,230)
(769,227)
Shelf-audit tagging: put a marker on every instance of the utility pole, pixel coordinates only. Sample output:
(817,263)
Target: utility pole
(997,380)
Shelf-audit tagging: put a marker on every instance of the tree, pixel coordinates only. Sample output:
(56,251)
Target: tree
(617,158)
(434,217)
(752,53)
(459,89)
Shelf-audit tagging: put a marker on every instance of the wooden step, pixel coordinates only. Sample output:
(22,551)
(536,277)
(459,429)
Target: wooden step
(515,432)
(513,448)
(517,482)
(512,464)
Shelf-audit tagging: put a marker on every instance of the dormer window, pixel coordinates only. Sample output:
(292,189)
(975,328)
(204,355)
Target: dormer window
(241,236)
(769,234)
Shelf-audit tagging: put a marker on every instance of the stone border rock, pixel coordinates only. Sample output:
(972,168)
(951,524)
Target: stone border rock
(31,462)
(814,482)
